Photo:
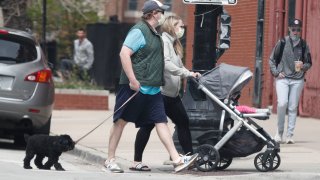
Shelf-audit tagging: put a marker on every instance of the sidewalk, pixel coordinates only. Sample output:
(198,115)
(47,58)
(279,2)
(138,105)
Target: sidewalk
(300,158)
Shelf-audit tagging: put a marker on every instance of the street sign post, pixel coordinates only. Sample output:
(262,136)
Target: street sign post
(212,2)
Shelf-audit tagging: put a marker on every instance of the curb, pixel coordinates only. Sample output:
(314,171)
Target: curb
(95,156)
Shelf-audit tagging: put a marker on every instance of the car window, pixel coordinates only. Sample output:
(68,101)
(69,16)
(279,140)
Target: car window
(15,50)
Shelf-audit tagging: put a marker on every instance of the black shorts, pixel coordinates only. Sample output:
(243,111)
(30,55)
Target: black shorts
(143,109)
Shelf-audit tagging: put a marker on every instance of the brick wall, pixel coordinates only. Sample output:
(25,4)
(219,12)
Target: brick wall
(119,7)
(243,41)
(190,36)
(81,101)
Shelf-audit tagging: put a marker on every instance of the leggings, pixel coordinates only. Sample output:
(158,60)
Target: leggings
(176,112)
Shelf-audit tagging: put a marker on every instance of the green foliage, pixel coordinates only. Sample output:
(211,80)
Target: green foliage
(77,79)
(63,20)
(77,85)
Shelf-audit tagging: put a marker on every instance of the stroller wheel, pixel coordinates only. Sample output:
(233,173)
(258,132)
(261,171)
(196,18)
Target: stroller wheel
(208,158)
(263,163)
(224,163)
(276,161)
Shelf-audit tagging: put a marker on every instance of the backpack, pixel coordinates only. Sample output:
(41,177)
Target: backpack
(278,56)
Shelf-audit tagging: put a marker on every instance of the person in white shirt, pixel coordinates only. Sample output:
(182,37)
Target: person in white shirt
(83,56)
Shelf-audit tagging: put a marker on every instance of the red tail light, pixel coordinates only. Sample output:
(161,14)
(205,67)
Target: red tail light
(3,31)
(42,76)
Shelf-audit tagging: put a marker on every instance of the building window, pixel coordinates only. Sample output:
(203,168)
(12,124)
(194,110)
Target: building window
(169,3)
(132,5)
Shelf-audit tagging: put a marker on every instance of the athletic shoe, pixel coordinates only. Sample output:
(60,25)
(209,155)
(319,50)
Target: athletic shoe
(278,138)
(112,166)
(290,140)
(185,162)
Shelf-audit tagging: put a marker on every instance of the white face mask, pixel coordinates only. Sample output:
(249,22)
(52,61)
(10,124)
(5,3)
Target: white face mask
(180,33)
(161,20)
(294,37)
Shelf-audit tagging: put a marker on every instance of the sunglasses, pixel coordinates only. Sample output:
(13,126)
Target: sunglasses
(162,12)
(296,29)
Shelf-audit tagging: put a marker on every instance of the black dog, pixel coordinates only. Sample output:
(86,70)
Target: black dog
(47,146)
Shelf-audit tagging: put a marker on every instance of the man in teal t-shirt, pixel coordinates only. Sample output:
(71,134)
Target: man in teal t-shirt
(142,61)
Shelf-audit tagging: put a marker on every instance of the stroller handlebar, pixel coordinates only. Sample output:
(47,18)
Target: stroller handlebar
(193,79)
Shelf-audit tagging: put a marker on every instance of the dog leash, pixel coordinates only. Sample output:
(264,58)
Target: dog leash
(129,99)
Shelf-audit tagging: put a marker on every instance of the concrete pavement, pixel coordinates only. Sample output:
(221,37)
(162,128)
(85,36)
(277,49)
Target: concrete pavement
(298,161)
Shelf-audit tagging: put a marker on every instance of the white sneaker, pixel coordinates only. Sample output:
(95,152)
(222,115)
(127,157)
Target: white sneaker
(112,166)
(290,140)
(278,138)
(170,162)
(185,162)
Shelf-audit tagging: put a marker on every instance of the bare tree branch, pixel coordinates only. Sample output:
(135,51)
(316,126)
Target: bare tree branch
(14,13)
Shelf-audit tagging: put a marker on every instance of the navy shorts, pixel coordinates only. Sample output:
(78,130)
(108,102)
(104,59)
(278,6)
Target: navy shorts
(143,109)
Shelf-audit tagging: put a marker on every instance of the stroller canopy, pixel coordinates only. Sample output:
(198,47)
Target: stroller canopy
(225,79)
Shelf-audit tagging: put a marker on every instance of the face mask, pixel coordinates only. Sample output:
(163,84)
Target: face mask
(180,33)
(294,37)
(161,20)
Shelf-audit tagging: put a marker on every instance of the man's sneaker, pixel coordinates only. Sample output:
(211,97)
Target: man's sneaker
(185,162)
(112,166)
(278,138)
(290,140)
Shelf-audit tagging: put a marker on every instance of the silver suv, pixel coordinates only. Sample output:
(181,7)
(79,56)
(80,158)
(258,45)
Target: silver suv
(26,86)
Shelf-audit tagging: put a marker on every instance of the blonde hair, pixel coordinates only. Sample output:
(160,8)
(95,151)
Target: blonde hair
(168,27)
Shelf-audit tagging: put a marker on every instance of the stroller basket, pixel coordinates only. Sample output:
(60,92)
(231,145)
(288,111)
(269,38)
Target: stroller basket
(241,144)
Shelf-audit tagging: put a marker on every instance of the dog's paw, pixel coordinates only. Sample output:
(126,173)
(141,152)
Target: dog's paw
(40,167)
(27,167)
(60,169)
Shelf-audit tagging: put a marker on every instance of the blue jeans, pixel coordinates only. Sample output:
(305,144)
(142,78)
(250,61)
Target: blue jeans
(288,92)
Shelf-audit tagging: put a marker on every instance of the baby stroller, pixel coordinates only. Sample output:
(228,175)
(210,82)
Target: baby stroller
(238,135)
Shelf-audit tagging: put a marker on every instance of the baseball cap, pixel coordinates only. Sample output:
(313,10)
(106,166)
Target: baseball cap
(151,5)
(296,23)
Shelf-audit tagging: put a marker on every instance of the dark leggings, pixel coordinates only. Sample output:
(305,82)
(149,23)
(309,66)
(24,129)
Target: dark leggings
(176,112)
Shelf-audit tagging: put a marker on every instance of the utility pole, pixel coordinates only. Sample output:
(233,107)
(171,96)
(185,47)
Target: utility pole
(258,73)
(205,36)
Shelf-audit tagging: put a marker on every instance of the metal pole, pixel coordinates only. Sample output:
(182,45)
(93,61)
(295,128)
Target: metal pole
(205,36)
(44,23)
(259,51)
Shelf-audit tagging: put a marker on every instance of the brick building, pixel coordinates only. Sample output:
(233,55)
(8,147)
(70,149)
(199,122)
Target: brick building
(129,11)
(243,45)
(243,40)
